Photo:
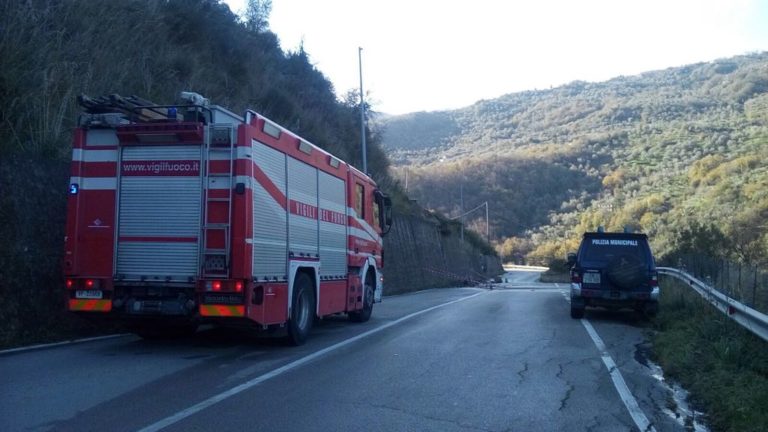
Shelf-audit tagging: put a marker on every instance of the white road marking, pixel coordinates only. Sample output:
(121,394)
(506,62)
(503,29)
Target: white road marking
(181,415)
(55,344)
(618,381)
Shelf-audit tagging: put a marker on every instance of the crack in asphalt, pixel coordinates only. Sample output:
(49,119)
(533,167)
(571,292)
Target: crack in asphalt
(569,390)
(590,427)
(551,338)
(521,372)
(567,396)
(426,417)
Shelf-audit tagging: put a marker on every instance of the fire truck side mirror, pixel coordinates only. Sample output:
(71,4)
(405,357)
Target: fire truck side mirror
(387,212)
(385,215)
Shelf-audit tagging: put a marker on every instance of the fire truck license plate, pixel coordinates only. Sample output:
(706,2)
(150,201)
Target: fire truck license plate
(88,294)
(592,278)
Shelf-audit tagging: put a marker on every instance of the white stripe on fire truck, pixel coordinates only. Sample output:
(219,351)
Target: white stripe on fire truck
(370,231)
(84,155)
(357,232)
(95,183)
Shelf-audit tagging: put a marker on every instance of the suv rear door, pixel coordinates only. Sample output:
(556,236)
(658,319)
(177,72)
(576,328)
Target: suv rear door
(615,262)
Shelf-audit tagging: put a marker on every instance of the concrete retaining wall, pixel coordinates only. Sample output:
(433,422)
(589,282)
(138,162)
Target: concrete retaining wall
(419,254)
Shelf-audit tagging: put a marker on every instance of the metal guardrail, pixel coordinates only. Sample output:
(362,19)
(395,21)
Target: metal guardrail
(752,320)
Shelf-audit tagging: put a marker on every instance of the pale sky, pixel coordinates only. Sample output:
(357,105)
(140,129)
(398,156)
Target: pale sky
(426,55)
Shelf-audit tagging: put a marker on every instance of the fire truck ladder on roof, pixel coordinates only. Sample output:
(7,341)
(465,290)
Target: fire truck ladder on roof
(219,147)
(132,107)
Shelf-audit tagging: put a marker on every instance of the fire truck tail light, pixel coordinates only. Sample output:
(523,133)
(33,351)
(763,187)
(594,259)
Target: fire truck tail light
(70,283)
(238,286)
(216,285)
(92,284)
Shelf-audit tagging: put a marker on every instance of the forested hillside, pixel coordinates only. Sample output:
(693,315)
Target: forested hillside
(670,152)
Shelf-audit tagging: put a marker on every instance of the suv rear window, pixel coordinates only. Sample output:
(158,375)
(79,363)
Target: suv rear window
(604,250)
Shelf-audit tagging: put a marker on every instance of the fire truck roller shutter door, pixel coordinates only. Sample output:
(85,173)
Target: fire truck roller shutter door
(333,229)
(270,218)
(302,213)
(160,200)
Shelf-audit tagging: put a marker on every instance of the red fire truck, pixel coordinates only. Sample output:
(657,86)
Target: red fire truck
(189,214)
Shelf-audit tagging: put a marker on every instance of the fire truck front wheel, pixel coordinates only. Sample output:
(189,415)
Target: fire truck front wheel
(364,314)
(302,310)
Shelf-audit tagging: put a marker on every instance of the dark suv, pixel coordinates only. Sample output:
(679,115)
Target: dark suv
(614,271)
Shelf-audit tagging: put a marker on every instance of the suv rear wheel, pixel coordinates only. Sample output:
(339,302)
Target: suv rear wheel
(577,312)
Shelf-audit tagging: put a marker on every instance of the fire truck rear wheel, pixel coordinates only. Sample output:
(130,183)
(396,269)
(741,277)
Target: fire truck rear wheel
(364,314)
(302,310)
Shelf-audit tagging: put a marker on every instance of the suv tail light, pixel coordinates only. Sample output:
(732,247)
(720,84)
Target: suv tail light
(654,280)
(575,276)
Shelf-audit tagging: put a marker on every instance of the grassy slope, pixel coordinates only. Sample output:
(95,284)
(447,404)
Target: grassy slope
(724,367)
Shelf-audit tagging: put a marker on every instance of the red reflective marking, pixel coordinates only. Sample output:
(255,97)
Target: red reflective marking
(269,186)
(90,305)
(222,310)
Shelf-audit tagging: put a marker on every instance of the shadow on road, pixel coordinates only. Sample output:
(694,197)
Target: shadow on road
(627,317)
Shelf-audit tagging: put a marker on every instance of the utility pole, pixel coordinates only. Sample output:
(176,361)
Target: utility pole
(463,213)
(487,226)
(362,110)
(462,210)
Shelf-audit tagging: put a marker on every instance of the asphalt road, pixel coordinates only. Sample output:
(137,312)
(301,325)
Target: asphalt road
(462,359)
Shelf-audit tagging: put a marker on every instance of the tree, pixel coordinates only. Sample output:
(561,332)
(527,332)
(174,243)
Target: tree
(257,15)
